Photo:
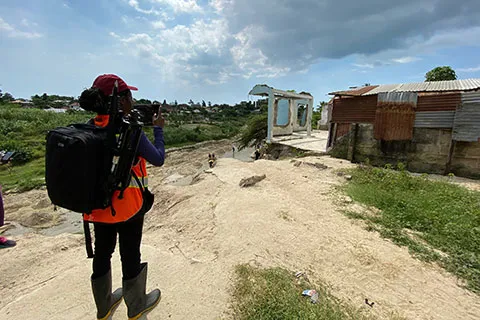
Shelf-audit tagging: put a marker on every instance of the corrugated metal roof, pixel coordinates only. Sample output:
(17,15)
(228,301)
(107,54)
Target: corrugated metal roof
(431,86)
(354,92)
(434,119)
(398,97)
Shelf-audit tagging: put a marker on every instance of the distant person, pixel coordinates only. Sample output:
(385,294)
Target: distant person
(4,242)
(211,160)
(127,221)
(233,151)
(257,154)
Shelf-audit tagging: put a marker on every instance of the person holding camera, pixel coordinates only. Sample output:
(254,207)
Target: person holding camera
(127,219)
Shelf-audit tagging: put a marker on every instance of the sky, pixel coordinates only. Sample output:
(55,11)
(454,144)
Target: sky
(217,50)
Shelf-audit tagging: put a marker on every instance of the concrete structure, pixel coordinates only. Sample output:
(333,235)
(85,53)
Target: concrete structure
(435,129)
(326,116)
(288,112)
(317,142)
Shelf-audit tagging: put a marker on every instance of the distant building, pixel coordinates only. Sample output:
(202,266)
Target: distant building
(23,102)
(56,110)
(430,126)
(288,112)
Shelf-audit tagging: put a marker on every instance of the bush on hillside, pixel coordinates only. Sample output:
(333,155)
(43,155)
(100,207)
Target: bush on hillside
(254,132)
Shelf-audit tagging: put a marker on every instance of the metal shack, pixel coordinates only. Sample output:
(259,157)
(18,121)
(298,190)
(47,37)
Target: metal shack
(432,127)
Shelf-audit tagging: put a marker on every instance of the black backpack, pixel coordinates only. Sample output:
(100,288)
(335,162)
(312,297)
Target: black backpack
(78,165)
(80,171)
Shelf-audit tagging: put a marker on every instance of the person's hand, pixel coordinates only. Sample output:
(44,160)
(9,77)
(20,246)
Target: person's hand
(158,120)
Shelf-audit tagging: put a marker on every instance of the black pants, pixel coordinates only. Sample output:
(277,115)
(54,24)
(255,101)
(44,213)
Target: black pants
(130,237)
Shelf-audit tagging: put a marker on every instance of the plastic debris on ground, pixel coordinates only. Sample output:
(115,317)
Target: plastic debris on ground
(313,294)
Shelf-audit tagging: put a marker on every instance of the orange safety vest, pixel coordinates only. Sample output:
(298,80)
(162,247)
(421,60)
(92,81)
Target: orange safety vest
(132,200)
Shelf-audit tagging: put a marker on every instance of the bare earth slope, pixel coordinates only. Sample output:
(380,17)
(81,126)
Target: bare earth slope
(196,233)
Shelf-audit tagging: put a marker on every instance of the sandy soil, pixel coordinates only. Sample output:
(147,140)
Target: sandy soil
(203,224)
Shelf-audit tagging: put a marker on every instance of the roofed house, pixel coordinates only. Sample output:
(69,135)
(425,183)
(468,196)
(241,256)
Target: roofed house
(24,103)
(430,126)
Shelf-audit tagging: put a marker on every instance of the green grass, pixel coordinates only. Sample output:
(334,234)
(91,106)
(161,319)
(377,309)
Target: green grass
(275,293)
(437,220)
(24,130)
(23,178)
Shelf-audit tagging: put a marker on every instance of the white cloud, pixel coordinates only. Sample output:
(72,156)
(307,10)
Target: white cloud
(134,4)
(472,69)
(220,5)
(159,24)
(364,65)
(241,39)
(159,7)
(298,33)
(182,51)
(250,60)
(376,61)
(13,32)
(205,49)
(406,60)
(188,6)
(27,23)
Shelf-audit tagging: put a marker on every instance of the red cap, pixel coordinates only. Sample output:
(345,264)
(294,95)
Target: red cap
(105,83)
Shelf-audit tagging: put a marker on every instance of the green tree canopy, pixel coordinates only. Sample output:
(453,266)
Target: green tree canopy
(143,101)
(441,74)
(7,97)
(254,132)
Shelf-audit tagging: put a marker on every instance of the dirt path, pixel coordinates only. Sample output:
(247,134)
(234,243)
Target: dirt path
(197,233)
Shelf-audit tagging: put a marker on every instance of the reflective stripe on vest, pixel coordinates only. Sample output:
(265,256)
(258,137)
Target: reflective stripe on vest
(134,183)
(132,200)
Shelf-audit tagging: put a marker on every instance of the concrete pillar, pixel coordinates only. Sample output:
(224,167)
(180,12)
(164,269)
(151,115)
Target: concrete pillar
(309,117)
(271,102)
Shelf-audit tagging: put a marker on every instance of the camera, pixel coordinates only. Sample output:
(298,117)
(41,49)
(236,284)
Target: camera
(143,113)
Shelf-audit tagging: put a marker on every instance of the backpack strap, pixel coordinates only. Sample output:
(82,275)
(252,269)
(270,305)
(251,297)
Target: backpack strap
(88,239)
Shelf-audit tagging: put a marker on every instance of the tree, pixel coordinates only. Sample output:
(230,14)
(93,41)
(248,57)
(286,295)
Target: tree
(156,102)
(203,103)
(176,103)
(254,132)
(441,74)
(210,104)
(190,102)
(143,101)
(164,102)
(7,97)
